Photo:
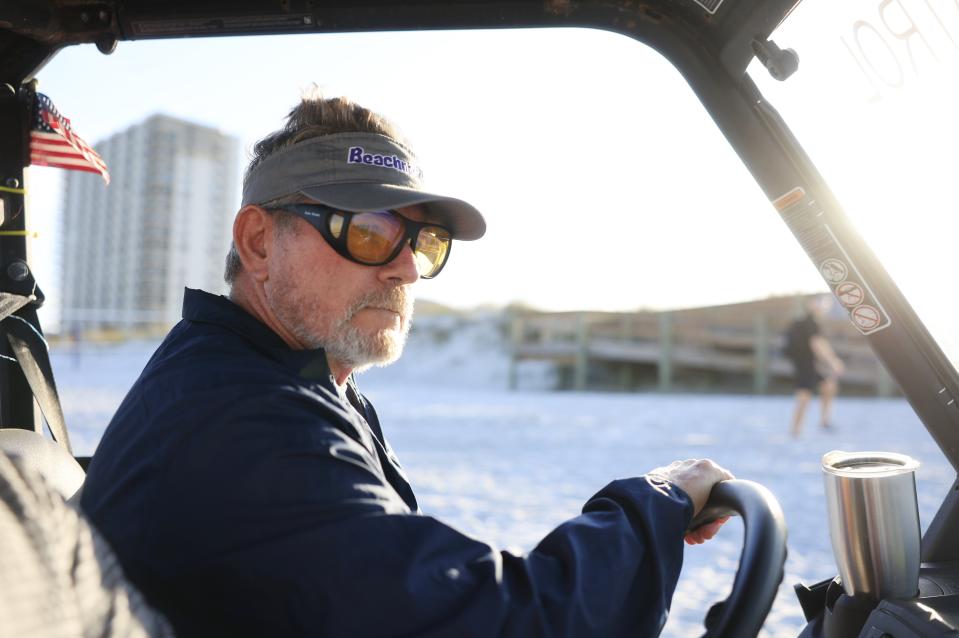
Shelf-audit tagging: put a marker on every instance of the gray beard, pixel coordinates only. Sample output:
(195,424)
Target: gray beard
(341,340)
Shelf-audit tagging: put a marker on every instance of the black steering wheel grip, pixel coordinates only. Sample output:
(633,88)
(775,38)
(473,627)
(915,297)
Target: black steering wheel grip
(761,563)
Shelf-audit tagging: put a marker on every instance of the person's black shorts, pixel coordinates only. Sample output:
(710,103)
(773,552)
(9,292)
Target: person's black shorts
(807,377)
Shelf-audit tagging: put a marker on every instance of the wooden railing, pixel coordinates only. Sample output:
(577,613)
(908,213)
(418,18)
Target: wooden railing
(727,348)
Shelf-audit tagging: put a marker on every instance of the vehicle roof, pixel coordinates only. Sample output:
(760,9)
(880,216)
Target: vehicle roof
(32,31)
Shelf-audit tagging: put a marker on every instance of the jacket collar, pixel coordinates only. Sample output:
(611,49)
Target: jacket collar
(203,307)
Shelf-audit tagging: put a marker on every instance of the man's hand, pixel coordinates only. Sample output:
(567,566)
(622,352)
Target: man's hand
(696,477)
(703,533)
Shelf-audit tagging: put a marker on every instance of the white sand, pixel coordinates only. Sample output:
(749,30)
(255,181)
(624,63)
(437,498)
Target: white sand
(509,466)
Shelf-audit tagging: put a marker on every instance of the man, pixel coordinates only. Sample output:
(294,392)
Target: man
(246,483)
(810,352)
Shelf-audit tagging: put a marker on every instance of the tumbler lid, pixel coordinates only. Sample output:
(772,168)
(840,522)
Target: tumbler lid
(867,464)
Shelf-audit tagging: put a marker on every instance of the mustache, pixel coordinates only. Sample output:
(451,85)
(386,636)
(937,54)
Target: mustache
(396,299)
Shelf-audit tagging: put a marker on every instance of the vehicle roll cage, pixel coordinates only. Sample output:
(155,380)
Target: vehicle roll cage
(710,42)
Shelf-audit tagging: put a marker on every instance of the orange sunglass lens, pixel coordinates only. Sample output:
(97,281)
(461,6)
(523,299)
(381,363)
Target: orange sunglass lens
(432,245)
(372,237)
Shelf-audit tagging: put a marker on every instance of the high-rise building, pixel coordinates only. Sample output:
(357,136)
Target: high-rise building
(163,223)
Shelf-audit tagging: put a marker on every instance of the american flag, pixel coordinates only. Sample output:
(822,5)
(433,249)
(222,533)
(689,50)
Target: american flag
(53,142)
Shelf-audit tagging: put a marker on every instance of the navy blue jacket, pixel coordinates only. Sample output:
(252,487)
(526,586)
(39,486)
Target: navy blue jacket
(245,497)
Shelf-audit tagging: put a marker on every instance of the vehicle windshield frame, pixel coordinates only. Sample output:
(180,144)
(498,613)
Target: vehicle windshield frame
(710,42)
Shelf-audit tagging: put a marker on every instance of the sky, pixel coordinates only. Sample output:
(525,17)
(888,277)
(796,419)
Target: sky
(604,183)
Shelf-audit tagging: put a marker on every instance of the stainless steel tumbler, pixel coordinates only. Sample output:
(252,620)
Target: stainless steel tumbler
(874,522)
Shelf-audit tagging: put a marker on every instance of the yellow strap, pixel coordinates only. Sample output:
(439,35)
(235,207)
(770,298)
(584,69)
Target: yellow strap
(18,191)
(19,233)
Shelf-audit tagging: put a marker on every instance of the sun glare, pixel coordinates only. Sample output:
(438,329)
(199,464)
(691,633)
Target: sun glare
(874,104)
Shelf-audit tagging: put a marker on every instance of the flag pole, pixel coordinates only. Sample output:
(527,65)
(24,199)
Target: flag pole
(17,286)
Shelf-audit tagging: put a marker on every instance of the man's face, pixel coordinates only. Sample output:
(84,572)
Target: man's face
(359,314)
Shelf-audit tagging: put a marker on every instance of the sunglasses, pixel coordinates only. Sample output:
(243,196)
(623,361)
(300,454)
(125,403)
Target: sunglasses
(375,239)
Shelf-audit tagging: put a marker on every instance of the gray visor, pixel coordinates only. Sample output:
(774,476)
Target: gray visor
(359,172)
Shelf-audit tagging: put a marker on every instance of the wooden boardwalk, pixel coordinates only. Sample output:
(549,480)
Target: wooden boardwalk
(732,348)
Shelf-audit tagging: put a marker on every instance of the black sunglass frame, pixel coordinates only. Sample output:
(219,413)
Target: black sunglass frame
(319,215)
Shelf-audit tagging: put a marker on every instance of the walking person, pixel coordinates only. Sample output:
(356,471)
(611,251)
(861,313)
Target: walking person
(815,363)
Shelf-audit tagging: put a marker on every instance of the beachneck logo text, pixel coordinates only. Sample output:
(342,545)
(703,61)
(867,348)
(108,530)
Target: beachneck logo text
(358,156)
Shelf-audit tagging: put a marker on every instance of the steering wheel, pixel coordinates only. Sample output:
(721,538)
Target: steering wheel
(760,571)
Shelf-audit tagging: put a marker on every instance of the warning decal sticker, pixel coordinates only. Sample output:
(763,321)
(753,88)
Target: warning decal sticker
(833,271)
(850,294)
(805,217)
(792,197)
(866,317)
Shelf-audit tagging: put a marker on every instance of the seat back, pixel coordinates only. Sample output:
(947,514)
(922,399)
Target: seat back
(58,575)
(50,459)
